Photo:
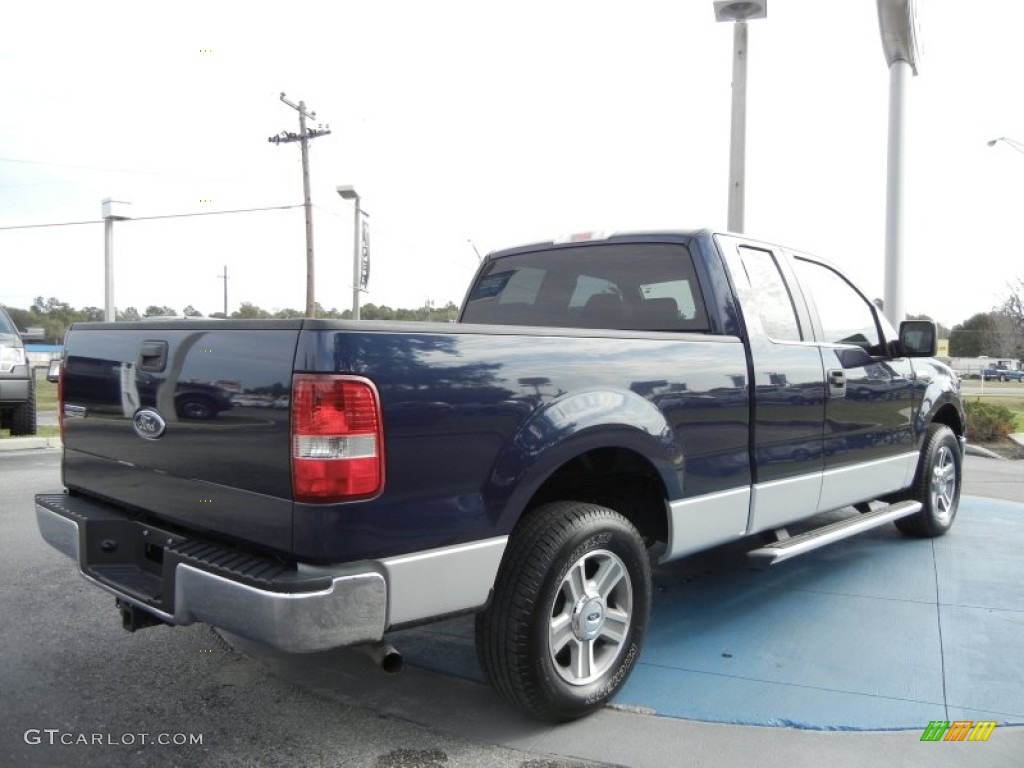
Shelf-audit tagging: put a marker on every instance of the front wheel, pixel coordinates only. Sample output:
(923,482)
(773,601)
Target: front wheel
(570,608)
(936,485)
(23,417)
(195,408)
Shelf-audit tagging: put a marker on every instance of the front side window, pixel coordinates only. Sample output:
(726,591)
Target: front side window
(846,316)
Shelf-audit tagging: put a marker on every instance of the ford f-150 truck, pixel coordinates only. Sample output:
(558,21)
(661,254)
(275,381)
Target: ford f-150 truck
(600,402)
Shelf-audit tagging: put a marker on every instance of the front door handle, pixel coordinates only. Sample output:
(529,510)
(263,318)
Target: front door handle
(153,356)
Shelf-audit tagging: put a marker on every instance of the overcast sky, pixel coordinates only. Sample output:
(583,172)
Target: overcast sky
(496,122)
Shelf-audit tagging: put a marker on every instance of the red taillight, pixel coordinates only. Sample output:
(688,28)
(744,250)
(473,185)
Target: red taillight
(60,402)
(337,441)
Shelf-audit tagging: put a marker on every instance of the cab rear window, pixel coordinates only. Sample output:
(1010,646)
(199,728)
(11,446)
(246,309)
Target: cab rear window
(623,286)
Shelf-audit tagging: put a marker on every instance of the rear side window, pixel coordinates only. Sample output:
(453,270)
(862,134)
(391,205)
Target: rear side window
(624,286)
(772,298)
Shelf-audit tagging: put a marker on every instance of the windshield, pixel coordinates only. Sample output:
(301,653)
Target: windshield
(6,326)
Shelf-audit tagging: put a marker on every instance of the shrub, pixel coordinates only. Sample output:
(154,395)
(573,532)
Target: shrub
(988,421)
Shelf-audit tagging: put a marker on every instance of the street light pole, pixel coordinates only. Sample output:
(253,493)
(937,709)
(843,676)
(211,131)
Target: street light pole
(738,13)
(738,130)
(113,210)
(897,22)
(224,277)
(349,193)
(1012,143)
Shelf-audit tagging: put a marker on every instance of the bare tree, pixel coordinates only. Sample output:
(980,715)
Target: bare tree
(1005,336)
(1013,311)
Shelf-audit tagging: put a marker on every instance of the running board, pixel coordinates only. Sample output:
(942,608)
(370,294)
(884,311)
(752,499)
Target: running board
(770,554)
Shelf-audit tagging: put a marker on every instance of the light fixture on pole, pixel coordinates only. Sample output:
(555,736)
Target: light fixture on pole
(738,13)
(113,210)
(1013,143)
(897,22)
(348,192)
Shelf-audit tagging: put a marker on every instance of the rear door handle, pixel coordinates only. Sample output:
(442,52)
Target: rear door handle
(837,383)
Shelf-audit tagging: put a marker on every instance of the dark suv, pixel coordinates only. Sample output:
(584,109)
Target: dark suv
(17,388)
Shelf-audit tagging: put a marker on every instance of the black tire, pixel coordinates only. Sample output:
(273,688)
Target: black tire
(23,416)
(191,407)
(555,656)
(936,485)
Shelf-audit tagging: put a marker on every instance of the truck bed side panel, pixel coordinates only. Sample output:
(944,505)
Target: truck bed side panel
(474,414)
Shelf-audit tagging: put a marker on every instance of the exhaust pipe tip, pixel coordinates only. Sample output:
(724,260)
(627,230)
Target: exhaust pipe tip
(384,655)
(391,660)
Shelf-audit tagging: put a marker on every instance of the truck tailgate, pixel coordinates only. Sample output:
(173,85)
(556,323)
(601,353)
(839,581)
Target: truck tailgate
(186,420)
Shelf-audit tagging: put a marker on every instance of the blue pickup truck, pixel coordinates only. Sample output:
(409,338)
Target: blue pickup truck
(602,401)
(1002,374)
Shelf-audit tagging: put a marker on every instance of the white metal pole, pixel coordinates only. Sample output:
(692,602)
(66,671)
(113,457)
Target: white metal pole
(356,262)
(738,134)
(108,267)
(899,76)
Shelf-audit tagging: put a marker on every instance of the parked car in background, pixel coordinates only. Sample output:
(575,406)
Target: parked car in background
(1002,374)
(17,388)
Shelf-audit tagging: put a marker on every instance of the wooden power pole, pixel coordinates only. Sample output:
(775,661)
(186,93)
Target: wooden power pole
(303,137)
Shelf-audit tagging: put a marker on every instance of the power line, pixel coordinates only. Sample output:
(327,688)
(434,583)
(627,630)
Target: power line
(151,218)
(102,169)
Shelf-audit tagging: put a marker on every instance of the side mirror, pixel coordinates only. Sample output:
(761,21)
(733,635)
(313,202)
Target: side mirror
(53,372)
(918,338)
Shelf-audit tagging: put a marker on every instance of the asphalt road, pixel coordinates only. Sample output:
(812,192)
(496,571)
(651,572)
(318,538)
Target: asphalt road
(71,674)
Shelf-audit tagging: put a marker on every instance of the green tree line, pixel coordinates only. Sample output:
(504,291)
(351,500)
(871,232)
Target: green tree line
(997,333)
(991,334)
(55,316)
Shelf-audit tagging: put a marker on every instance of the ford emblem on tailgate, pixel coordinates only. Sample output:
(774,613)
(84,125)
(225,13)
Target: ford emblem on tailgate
(149,424)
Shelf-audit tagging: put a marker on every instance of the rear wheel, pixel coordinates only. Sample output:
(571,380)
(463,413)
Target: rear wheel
(936,485)
(569,611)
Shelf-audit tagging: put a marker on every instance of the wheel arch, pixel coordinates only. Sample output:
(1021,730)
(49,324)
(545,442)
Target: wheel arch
(599,446)
(951,417)
(613,476)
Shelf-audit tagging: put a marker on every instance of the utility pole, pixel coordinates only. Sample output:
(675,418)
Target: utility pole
(224,277)
(303,136)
